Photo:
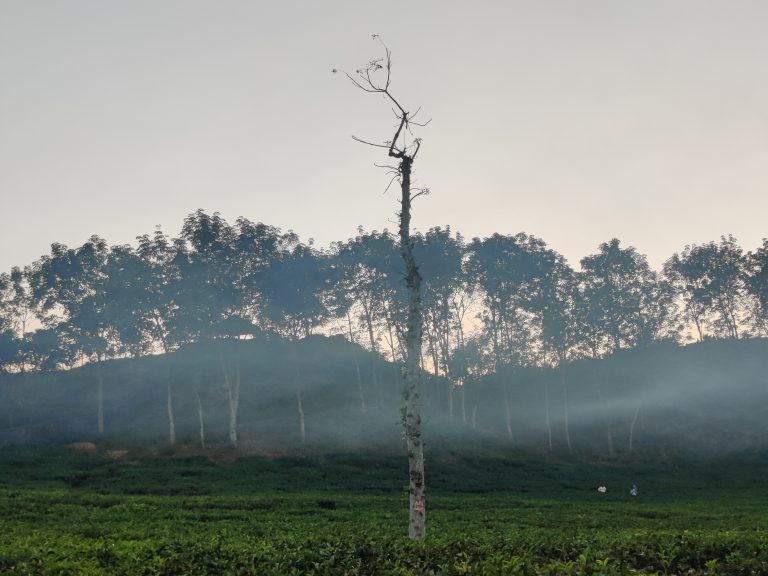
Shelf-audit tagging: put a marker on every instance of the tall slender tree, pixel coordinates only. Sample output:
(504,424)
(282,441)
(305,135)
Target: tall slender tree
(68,287)
(403,148)
(294,305)
(757,285)
(710,279)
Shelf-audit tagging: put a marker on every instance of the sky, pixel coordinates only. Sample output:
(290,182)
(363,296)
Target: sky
(574,121)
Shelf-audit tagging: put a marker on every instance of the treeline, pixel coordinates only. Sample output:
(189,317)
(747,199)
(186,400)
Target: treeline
(504,309)
(498,301)
(273,395)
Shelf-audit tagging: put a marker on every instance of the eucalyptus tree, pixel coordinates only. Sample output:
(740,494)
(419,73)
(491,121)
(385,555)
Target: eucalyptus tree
(710,280)
(16,305)
(10,351)
(441,256)
(205,261)
(68,291)
(294,304)
(511,273)
(624,303)
(559,332)
(162,271)
(6,321)
(127,289)
(403,148)
(44,350)
(468,363)
(226,336)
(367,267)
(363,266)
(215,283)
(445,294)
(257,247)
(757,285)
(160,276)
(138,304)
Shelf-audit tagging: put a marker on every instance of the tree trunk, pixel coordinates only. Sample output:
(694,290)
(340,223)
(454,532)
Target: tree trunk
(302,422)
(632,429)
(200,419)
(299,400)
(360,390)
(171,419)
(565,409)
(233,398)
(607,421)
(100,398)
(507,410)
(234,404)
(546,415)
(374,372)
(412,413)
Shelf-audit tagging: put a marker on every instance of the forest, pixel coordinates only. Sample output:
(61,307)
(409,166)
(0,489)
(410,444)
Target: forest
(242,334)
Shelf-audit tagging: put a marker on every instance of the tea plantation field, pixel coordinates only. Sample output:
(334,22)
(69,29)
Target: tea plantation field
(67,513)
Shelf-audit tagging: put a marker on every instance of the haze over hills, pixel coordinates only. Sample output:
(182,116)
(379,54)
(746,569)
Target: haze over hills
(212,337)
(707,398)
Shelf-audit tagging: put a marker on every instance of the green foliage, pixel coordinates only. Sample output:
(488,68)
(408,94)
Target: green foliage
(176,515)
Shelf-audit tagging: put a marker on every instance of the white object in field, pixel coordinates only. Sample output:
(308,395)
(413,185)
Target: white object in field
(633,490)
(602,489)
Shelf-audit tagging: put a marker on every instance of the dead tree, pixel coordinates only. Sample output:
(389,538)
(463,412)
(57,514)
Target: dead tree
(375,78)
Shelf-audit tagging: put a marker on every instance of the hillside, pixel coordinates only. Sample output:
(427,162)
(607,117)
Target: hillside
(708,398)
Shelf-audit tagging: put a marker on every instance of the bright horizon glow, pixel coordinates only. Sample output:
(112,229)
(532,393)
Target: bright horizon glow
(573,122)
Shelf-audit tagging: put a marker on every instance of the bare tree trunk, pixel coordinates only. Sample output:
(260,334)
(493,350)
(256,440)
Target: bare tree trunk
(233,398)
(415,446)
(632,429)
(374,372)
(171,419)
(100,398)
(360,390)
(299,400)
(234,405)
(546,414)
(607,421)
(405,154)
(565,409)
(450,402)
(507,410)
(169,404)
(200,419)
(463,405)
(302,422)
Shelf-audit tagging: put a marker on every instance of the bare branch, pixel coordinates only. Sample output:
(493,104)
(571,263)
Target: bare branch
(392,149)
(356,83)
(366,80)
(389,167)
(356,139)
(420,124)
(418,145)
(395,177)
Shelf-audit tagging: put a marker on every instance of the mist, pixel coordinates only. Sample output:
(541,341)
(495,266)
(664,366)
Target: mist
(706,399)
(241,335)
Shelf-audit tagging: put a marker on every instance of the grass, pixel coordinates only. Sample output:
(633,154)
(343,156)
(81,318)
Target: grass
(65,513)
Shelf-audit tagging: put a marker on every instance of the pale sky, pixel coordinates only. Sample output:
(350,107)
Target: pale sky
(575,121)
